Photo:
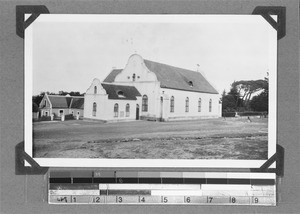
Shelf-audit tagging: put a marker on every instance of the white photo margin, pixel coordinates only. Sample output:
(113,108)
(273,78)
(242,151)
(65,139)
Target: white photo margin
(148,163)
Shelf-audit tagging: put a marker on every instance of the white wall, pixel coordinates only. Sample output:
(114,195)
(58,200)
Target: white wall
(179,104)
(105,106)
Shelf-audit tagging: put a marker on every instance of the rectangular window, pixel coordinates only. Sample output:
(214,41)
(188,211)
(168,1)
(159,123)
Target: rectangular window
(199,105)
(116,110)
(127,110)
(172,104)
(187,104)
(145,103)
(61,112)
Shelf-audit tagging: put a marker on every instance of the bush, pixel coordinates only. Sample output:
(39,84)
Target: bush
(45,118)
(228,114)
(69,117)
(252,113)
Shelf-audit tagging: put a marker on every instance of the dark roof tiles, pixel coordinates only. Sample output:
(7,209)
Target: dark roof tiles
(179,78)
(58,101)
(121,92)
(77,102)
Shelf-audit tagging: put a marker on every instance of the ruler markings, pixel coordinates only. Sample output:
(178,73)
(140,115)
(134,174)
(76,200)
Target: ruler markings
(111,187)
(165,199)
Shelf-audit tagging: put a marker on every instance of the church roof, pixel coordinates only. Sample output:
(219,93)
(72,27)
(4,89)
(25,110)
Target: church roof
(173,78)
(111,76)
(179,78)
(121,92)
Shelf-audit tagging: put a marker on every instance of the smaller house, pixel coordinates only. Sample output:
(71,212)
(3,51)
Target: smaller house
(58,105)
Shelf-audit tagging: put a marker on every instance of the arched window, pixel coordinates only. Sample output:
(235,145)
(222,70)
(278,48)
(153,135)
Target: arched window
(127,110)
(210,105)
(95,89)
(187,104)
(116,110)
(172,104)
(145,103)
(199,105)
(94,109)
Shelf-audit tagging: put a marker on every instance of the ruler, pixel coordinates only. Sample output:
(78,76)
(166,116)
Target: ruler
(195,188)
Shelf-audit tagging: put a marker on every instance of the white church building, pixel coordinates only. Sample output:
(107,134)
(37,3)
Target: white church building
(151,91)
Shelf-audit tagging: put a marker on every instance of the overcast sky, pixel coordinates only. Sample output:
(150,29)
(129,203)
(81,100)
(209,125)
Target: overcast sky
(68,55)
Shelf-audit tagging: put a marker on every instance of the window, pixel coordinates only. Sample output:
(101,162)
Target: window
(61,112)
(190,83)
(45,103)
(94,109)
(172,104)
(120,94)
(133,77)
(116,110)
(145,103)
(210,105)
(127,110)
(187,104)
(95,90)
(78,112)
(199,105)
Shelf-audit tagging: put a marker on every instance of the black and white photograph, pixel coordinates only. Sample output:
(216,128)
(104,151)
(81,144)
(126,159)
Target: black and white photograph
(150,90)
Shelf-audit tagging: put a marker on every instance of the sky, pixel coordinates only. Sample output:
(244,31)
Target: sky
(68,53)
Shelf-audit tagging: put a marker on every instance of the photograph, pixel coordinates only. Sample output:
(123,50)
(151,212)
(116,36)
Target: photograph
(150,90)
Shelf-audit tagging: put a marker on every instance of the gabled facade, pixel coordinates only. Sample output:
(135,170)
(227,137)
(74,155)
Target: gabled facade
(111,102)
(167,92)
(61,105)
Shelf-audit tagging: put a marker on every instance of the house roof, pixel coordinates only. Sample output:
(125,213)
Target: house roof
(77,102)
(58,101)
(121,92)
(173,77)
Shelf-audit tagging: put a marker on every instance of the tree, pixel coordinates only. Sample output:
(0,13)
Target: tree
(35,107)
(245,89)
(260,102)
(235,93)
(228,103)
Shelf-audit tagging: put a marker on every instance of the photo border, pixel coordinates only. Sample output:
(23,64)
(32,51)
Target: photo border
(143,163)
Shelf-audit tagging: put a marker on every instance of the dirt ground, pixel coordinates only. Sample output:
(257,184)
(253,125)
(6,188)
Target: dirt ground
(198,139)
